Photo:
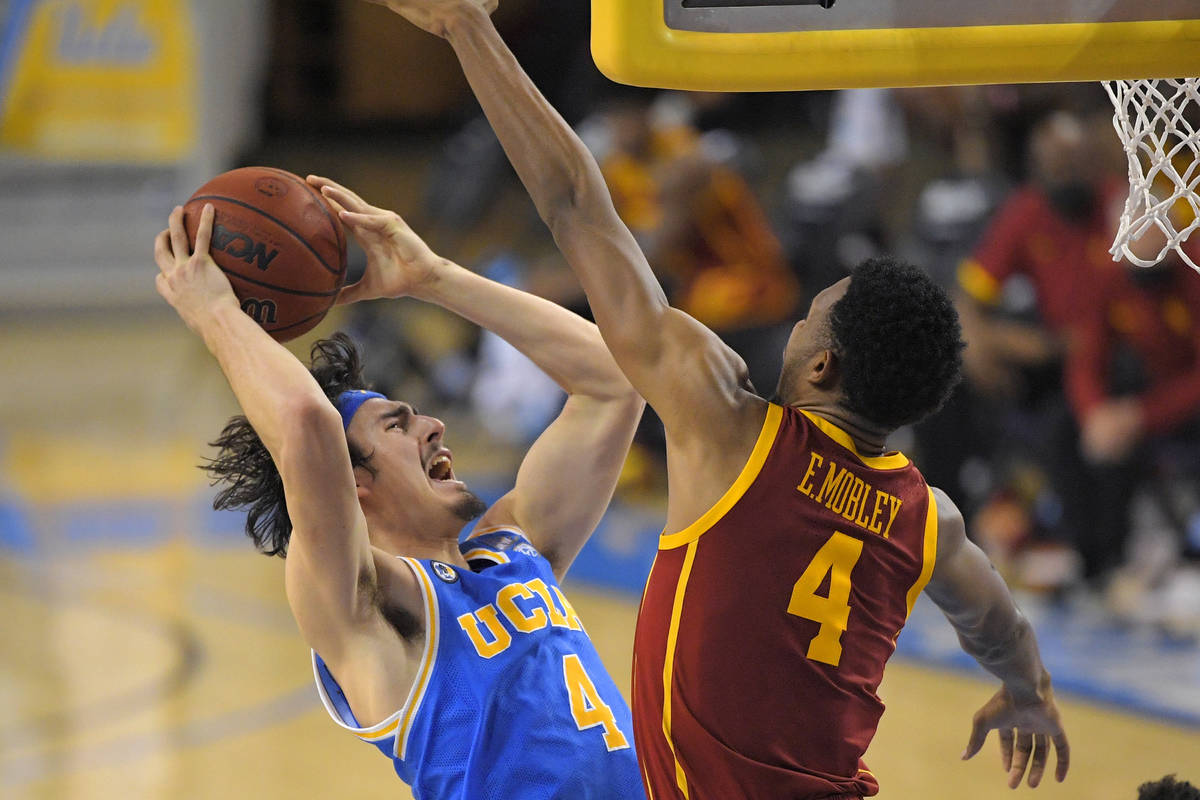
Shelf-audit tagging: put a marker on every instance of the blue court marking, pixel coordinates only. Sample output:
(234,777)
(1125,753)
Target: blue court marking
(16,527)
(1126,670)
(132,522)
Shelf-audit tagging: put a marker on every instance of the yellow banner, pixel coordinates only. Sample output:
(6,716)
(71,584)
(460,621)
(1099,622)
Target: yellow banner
(100,80)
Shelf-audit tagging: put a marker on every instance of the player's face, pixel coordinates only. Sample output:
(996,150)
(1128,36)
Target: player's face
(408,459)
(809,337)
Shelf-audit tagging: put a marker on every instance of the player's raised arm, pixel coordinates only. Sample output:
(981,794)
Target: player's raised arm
(682,369)
(567,478)
(329,557)
(995,633)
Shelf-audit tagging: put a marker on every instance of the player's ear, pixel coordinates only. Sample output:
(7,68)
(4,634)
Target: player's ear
(364,479)
(823,369)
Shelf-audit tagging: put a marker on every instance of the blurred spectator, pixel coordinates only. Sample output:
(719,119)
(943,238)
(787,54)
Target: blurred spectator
(699,223)
(1168,789)
(511,396)
(1133,375)
(1036,272)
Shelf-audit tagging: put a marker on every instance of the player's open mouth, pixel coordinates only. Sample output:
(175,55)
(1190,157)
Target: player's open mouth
(440,469)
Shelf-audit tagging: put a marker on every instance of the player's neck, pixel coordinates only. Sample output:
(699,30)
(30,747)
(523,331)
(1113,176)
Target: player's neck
(427,544)
(869,439)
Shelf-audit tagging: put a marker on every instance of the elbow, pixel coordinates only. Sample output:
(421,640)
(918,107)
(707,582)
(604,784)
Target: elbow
(625,397)
(580,199)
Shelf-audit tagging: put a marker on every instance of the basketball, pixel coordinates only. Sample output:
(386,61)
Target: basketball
(280,243)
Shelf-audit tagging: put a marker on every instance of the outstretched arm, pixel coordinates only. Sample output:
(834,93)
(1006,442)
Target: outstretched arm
(682,369)
(329,557)
(995,633)
(567,478)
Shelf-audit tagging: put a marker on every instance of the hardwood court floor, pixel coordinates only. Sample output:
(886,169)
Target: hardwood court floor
(144,656)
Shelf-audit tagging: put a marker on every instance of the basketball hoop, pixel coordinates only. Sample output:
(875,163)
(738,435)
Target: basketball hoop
(1162,146)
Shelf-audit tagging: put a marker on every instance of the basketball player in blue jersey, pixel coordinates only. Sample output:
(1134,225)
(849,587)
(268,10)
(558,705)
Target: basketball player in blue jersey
(463,663)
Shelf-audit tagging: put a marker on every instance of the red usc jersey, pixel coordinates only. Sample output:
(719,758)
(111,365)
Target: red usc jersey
(766,624)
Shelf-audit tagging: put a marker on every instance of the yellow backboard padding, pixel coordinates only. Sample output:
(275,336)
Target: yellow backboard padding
(632,44)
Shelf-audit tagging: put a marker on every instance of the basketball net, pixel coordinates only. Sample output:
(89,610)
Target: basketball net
(1163,149)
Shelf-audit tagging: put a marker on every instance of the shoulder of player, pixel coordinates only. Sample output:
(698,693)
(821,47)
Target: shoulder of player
(951,528)
(498,541)
(735,428)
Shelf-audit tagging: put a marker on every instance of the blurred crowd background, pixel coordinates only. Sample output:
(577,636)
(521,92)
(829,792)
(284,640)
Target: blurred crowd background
(1072,445)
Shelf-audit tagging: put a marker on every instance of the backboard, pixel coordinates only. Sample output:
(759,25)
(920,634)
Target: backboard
(772,45)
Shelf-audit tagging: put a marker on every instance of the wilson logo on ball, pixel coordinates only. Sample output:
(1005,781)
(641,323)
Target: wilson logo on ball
(261,311)
(239,245)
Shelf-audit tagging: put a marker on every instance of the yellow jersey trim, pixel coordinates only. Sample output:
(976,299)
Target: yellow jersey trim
(978,282)
(669,662)
(758,457)
(496,529)
(895,460)
(399,723)
(421,683)
(491,555)
(928,555)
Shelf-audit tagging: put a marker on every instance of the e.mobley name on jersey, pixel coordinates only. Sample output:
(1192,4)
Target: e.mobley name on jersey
(843,492)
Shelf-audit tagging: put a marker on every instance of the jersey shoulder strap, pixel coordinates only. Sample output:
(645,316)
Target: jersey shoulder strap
(498,545)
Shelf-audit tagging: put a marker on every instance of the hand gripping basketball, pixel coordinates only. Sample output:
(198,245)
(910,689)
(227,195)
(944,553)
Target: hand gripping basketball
(399,263)
(190,280)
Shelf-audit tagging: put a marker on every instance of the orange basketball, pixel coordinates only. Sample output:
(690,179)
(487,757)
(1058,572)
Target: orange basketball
(279,241)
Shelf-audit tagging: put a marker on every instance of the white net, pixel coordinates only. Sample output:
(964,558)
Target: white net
(1156,120)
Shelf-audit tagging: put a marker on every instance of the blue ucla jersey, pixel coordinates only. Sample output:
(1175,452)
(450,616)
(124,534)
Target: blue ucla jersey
(511,699)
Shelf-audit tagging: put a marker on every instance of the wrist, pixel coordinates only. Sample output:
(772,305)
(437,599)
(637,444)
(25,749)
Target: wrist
(1031,693)
(462,19)
(434,288)
(214,324)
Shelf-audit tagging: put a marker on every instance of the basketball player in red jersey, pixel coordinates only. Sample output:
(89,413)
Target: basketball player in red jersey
(796,544)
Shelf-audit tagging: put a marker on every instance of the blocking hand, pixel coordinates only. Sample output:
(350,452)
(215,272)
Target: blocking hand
(435,15)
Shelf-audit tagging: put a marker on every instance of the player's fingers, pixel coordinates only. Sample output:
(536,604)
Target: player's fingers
(341,200)
(179,238)
(343,195)
(979,732)
(160,283)
(1021,753)
(163,256)
(1006,748)
(1062,752)
(374,223)
(1037,764)
(204,233)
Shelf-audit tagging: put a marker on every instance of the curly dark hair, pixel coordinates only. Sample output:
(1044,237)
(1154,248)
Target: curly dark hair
(250,480)
(1168,789)
(898,342)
